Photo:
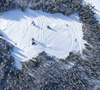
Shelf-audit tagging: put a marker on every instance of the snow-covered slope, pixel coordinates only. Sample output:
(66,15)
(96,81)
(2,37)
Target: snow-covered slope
(95,3)
(64,36)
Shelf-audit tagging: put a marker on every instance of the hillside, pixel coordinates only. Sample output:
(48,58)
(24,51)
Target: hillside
(49,45)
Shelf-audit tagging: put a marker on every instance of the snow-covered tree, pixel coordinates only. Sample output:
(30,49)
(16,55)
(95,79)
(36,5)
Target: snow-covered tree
(63,6)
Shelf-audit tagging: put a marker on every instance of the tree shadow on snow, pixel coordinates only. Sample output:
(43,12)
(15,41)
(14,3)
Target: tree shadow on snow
(17,15)
(17,52)
(38,27)
(5,36)
(52,29)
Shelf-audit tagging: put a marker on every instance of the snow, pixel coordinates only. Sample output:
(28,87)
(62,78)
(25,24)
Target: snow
(95,3)
(65,34)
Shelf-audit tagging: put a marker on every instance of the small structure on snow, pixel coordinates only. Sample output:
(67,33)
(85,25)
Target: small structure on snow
(33,23)
(75,40)
(48,27)
(67,25)
(33,41)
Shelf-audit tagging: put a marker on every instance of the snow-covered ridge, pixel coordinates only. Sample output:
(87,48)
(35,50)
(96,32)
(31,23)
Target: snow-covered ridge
(64,36)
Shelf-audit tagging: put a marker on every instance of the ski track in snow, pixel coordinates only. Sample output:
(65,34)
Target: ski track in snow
(17,28)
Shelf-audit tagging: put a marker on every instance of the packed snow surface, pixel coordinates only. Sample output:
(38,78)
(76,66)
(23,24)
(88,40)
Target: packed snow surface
(64,35)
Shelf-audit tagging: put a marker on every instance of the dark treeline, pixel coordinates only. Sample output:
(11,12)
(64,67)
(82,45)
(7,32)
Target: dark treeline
(7,5)
(91,25)
(66,7)
(91,30)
